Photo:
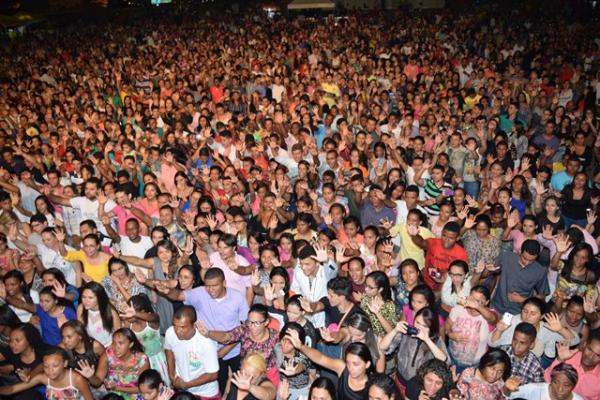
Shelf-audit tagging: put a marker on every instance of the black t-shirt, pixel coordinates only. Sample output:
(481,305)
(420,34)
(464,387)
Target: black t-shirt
(15,359)
(333,315)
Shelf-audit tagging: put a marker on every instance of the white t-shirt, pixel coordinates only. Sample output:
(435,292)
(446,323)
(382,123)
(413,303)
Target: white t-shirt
(89,210)
(28,196)
(53,259)
(139,249)
(193,358)
(23,315)
(536,391)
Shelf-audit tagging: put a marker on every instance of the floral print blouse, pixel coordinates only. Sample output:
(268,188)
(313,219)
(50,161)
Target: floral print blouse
(475,389)
(267,348)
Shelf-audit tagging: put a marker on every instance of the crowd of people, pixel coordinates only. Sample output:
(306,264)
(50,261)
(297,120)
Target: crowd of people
(225,206)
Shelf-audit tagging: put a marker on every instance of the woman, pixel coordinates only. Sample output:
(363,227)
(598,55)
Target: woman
(437,222)
(368,247)
(528,231)
(254,336)
(576,276)
(8,256)
(250,382)
(55,279)
(143,321)
(382,387)
(550,215)
(295,313)
(19,297)
(152,387)
(97,314)
(149,204)
(59,379)
(563,380)
(161,268)
(277,291)
(120,366)
(456,289)
(268,259)
(573,318)
(423,345)
(418,298)
(353,371)
(479,243)
(378,304)
(410,277)
(468,328)
(490,379)
(52,313)
(576,199)
(44,206)
(78,345)
(521,196)
(91,256)
(294,367)
(434,379)
(120,285)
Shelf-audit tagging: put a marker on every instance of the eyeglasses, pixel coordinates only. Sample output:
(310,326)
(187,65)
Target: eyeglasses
(255,323)
(456,275)
(239,221)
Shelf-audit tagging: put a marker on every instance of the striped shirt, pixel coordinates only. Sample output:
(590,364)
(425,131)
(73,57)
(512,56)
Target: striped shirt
(432,191)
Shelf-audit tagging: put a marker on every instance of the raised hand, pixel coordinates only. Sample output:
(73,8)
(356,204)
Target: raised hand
(321,253)
(589,305)
(469,222)
(591,217)
(127,311)
(242,380)
(562,243)
(563,351)
(375,305)
(269,293)
(326,335)
(59,289)
(255,278)
(552,322)
(289,368)
(85,369)
(60,234)
(480,267)
(547,232)
(513,220)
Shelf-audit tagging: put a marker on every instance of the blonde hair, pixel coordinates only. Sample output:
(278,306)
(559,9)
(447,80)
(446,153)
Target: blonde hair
(257,361)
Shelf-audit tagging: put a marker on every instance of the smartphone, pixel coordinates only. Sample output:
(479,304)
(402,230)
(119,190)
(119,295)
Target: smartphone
(411,330)
(507,318)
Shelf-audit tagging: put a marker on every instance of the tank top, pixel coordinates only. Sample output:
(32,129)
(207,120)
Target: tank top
(96,330)
(344,392)
(67,393)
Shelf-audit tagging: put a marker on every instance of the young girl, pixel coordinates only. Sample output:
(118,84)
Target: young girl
(97,314)
(52,312)
(293,365)
(61,382)
(78,345)
(286,250)
(56,280)
(269,259)
(16,293)
(367,248)
(420,297)
(143,321)
(295,313)
(152,387)
(378,303)
(410,277)
(120,366)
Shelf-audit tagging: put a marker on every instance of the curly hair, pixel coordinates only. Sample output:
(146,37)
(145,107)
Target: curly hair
(440,369)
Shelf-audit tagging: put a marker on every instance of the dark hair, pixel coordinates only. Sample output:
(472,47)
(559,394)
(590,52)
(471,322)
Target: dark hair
(193,271)
(128,333)
(493,357)
(113,261)
(535,302)
(104,305)
(362,351)
(568,268)
(452,226)
(431,319)
(424,291)
(531,246)
(88,343)
(293,326)
(461,264)
(113,396)
(382,282)
(482,290)
(386,384)
(282,272)
(322,383)
(141,302)
(440,369)
(184,395)
(32,335)
(57,274)
(260,309)
(214,273)
(150,378)
(527,329)
(361,322)
(16,274)
(341,286)
(567,369)
(485,219)
(229,240)
(185,311)
(8,317)
(54,350)
(358,260)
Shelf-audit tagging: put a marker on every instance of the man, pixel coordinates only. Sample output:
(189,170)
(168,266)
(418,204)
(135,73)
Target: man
(525,365)
(439,254)
(191,358)
(221,309)
(133,244)
(310,280)
(587,364)
(563,178)
(373,209)
(521,277)
(434,190)
(88,204)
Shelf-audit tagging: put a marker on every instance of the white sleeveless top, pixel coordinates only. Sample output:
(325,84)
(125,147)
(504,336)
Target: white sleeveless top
(96,330)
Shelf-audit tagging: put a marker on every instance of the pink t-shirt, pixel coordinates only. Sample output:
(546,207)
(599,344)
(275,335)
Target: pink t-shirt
(122,216)
(233,280)
(587,384)
(167,176)
(476,328)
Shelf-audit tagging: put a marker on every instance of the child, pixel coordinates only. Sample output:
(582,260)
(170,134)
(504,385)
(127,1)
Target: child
(61,382)
(53,312)
(293,365)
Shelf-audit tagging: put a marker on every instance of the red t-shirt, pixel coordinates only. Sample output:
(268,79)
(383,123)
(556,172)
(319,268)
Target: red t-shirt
(439,258)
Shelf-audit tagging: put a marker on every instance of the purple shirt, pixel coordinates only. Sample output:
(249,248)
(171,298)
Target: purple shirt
(222,314)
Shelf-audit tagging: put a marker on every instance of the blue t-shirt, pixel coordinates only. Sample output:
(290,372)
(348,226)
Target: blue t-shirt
(50,329)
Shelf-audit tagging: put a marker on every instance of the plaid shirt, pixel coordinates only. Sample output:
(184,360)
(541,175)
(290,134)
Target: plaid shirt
(529,369)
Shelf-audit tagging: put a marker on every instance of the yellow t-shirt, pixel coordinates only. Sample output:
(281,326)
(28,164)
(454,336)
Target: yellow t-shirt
(407,247)
(96,272)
